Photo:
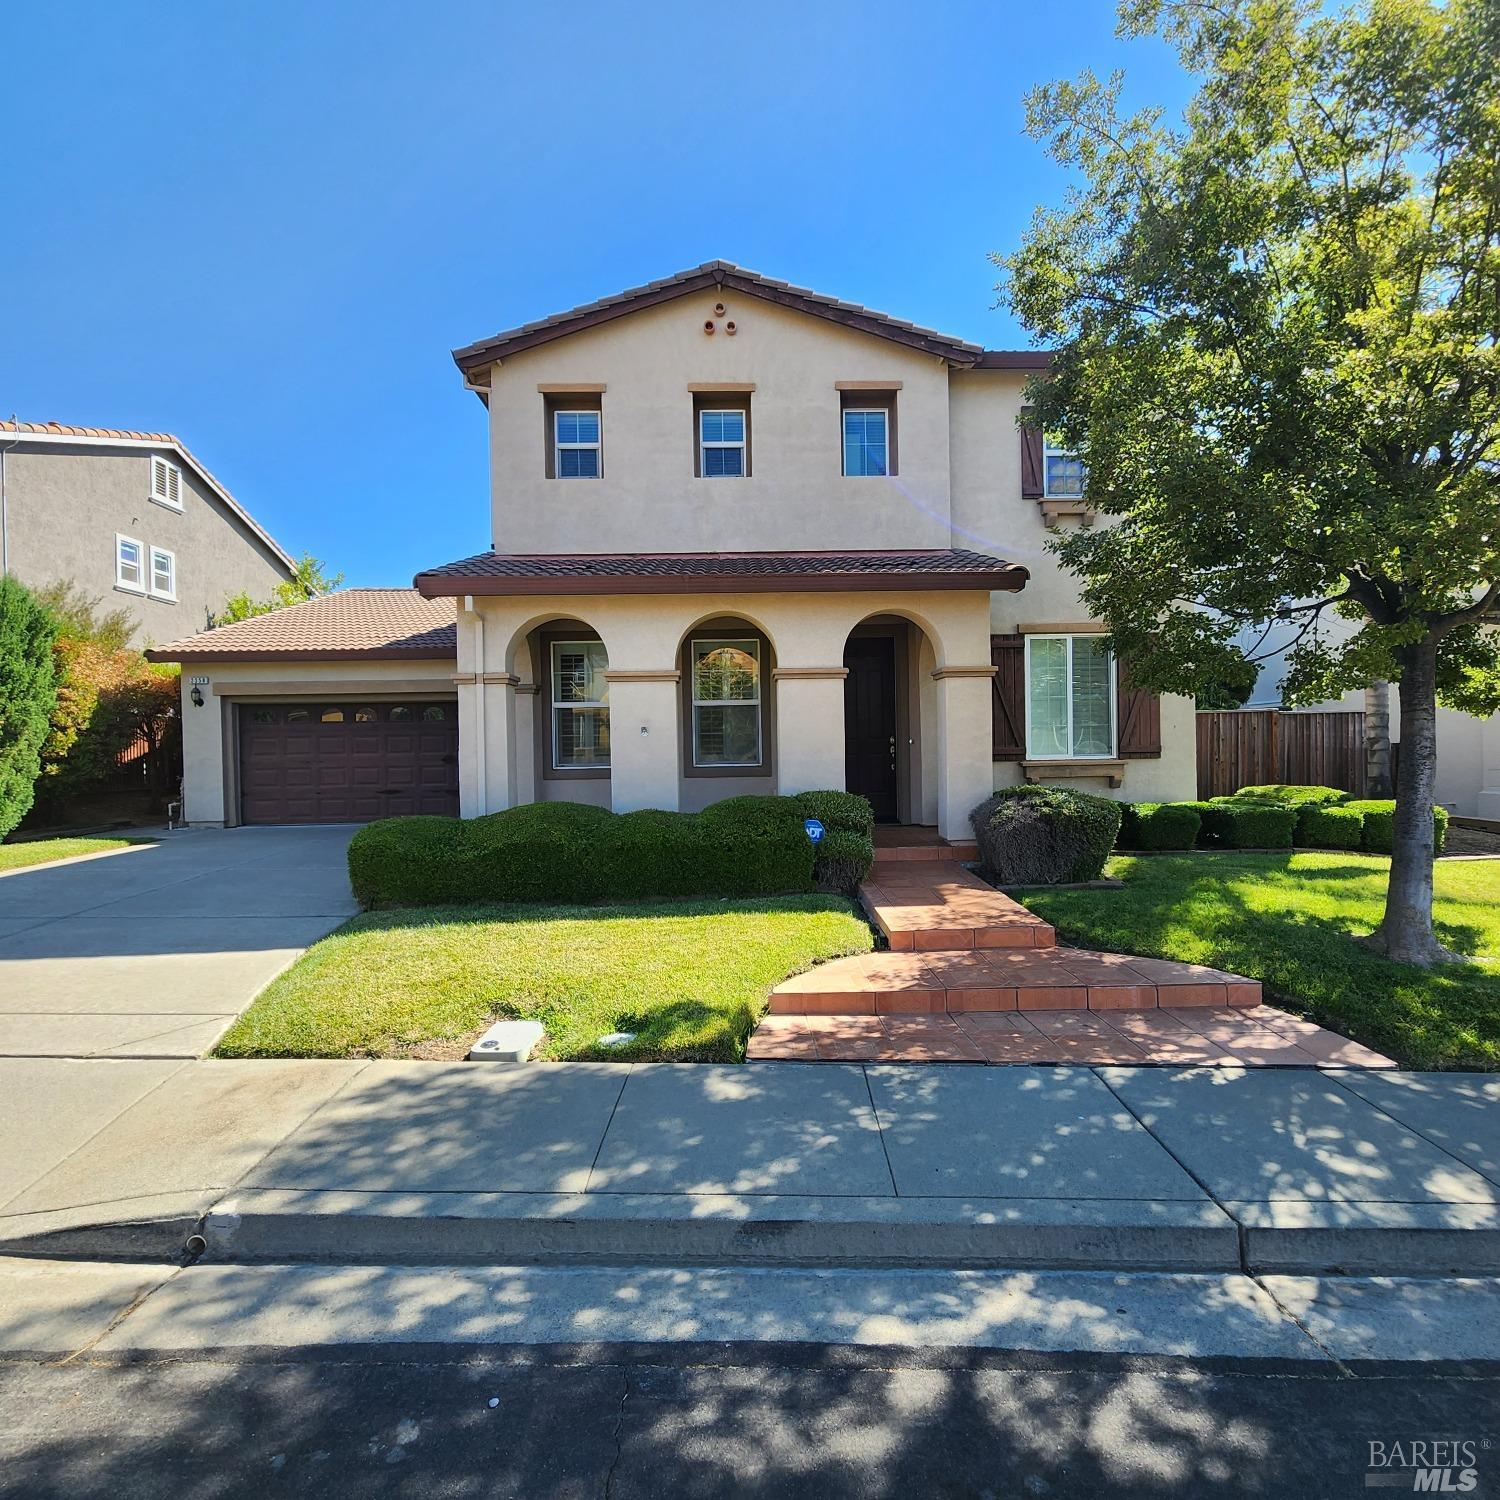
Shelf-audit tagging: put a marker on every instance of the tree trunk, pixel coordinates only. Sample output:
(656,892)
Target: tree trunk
(1378,739)
(1405,934)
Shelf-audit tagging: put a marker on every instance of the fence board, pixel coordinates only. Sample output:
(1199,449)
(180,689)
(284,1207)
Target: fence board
(1250,747)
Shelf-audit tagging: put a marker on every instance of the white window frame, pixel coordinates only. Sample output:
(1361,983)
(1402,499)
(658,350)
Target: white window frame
(884,413)
(695,703)
(556,704)
(1048,493)
(141,563)
(169,593)
(1114,727)
(742,444)
(166,482)
(559,447)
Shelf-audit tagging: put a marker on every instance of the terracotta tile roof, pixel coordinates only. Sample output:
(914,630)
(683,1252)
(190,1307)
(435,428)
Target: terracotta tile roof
(62,433)
(725,274)
(718,572)
(370,623)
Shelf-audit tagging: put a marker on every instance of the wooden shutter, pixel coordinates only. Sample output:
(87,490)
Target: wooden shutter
(1008,706)
(1031,463)
(1139,715)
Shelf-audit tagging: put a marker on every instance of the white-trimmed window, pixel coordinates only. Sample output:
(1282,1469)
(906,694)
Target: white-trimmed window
(576,444)
(721,443)
(580,705)
(1070,698)
(166,483)
(866,441)
(163,574)
(726,702)
(130,564)
(1063,474)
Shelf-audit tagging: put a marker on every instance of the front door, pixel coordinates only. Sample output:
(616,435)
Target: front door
(870,722)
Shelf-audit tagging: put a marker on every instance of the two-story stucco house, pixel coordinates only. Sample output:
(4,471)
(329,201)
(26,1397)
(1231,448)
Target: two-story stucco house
(746,538)
(131,518)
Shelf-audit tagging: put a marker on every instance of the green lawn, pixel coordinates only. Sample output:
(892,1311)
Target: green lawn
(1289,920)
(44,851)
(689,977)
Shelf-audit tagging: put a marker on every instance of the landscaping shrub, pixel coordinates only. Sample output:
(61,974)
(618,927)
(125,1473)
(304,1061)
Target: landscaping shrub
(1380,825)
(1234,823)
(571,852)
(843,860)
(1322,827)
(1159,825)
(1043,835)
(1295,796)
(845,810)
(28,694)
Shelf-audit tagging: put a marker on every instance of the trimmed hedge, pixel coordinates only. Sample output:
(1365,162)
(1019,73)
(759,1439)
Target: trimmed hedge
(1232,824)
(846,810)
(1295,796)
(1044,835)
(843,860)
(1324,827)
(1159,825)
(571,852)
(1380,825)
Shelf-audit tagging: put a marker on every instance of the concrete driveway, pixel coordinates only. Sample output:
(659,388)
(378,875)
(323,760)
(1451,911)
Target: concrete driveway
(154,951)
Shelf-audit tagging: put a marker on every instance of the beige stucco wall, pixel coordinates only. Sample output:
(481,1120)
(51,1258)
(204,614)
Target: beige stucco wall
(209,749)
(65,505)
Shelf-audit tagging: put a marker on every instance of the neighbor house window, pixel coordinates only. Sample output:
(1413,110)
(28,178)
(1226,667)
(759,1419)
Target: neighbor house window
(721,444)
(576,444)
(866,441)
(1062,474)
(726,703)
(166,483)
(130,564)
(580,705)
(163,574)
(1070,698)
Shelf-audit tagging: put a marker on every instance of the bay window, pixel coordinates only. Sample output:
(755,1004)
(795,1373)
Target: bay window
(1070,698)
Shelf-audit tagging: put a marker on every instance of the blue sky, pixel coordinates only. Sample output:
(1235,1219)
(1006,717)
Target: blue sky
(264,226)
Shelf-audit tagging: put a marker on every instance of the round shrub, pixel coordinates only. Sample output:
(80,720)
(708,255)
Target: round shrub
(1044,835)
(1323,827)
(837,810)
(1380,825)
(1159,825)
(1296,796)
(842,860)
(543,851)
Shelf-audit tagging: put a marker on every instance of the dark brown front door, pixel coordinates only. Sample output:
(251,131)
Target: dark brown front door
(870,722)
(317,762)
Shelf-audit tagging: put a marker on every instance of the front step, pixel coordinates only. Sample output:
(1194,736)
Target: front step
(939,983)
(934,906)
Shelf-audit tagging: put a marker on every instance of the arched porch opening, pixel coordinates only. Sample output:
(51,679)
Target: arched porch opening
(563,747)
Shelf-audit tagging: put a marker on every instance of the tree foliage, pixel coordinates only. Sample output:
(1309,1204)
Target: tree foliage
(28,691)
(1277,329)
(308,582)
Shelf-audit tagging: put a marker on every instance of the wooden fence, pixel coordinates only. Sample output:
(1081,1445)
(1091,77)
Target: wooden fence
(1250,747)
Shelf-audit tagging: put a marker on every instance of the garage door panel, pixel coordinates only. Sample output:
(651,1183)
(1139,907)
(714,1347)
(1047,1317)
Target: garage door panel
(302,763)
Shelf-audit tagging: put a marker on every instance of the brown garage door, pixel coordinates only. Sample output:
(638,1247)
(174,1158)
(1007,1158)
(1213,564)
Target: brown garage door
(347,762)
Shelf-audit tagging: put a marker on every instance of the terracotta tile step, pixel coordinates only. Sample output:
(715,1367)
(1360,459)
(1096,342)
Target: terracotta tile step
(938,906)
(925,853)
(1007,980)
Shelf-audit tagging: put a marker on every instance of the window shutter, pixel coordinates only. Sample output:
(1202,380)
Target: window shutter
(1031,463)
(1140,719)
(158,479)
(1008,706)
(174,484)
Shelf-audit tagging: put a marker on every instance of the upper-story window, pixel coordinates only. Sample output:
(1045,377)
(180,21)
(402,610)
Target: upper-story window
(721,443)
(163,574)
(130,564)
(166,483)
(576,444)
(1070,698)
(867,440)
(1062,474)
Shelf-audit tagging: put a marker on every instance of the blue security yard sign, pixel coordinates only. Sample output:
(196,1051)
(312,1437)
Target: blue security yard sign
(814,829)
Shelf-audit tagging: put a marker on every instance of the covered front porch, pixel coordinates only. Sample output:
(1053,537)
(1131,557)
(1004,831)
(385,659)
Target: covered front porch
(672,682)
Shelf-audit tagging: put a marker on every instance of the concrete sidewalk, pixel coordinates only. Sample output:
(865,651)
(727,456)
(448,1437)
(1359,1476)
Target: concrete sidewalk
(153,951)
(766,1164)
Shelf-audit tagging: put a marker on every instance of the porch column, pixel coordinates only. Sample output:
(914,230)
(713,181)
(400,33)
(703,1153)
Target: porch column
(523,741)
(809,729)
(965,764)
(643,740)
(499,701)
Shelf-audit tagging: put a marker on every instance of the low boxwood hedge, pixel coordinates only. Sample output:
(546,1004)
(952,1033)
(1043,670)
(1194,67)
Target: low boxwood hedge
(1295,796)
(1044,835)
(1232,823)
(1159,825)
(572,852)
(1329,827)
(1380,825)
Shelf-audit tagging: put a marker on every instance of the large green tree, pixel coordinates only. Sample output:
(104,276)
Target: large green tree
(1277,323)
(28,692)
(308,582)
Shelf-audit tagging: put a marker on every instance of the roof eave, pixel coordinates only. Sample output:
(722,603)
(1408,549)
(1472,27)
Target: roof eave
(308,653)
(1009,579)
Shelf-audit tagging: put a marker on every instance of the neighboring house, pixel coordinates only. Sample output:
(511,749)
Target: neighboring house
(1468,769)
(751,539)
(131,518)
